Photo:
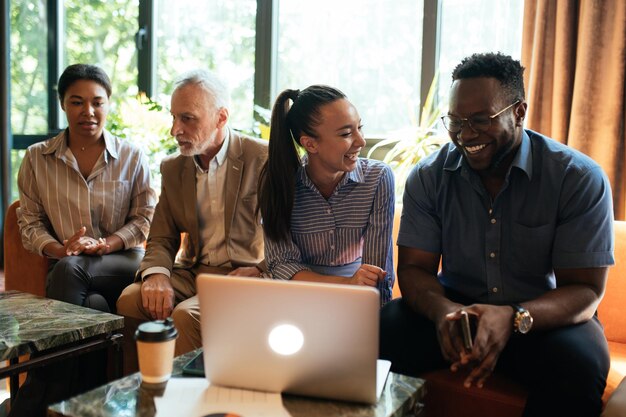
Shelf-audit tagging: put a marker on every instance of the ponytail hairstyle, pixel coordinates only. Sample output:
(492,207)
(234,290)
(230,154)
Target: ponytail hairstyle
(278,177)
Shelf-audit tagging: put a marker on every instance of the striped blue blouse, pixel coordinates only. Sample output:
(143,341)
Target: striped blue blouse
(353,226)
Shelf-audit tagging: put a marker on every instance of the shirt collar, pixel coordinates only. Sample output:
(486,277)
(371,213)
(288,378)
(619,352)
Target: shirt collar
(220,156)
(454,158)
(58,144)
(524,158)
(110,145)
(356,175)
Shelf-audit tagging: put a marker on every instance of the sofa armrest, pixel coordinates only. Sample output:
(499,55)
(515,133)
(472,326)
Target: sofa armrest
(23,270)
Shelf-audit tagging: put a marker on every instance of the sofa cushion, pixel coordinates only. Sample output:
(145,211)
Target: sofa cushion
(612,305)
(23,270)
(618,367)
(446,396)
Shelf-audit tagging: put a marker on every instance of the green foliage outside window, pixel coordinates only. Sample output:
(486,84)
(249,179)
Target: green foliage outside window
(29,71)
(380,75)
(404,148)
(147,125)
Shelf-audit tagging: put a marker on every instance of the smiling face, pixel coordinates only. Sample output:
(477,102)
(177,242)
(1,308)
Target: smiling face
(492,150)
(339,139)
(86,107)
(196,123)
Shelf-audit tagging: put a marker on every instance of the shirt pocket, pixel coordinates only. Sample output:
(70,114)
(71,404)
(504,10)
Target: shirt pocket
(531,249)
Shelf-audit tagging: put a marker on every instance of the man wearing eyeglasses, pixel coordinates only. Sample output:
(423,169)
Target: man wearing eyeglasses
(523,228)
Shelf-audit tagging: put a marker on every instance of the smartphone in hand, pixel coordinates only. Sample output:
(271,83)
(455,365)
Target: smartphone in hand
(466,330)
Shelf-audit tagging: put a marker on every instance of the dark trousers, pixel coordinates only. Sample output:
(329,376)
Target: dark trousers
(564,369)
(93,281)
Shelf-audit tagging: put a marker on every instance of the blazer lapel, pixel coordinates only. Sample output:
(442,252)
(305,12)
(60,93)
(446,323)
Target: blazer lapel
(233,181)
(190,200)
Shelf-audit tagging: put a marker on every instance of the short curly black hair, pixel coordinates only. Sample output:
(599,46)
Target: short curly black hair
(77,72)
(502,67)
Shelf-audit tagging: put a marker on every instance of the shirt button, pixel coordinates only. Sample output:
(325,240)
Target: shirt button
(328,211)
(492,255)
(332,232)
(332,246)
(332,263)
(493,221)
(494,289)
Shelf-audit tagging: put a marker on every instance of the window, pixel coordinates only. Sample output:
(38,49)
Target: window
(214,35)
(29,70)
(102,33)
(477,26)
(369,49)
(99,33)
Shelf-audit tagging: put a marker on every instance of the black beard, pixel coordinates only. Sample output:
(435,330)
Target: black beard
(500,156)
(503,154)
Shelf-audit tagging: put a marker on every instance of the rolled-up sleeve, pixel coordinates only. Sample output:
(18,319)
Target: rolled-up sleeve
(584,234)
(31,216)
(420,225)
(283,259)
(377,239)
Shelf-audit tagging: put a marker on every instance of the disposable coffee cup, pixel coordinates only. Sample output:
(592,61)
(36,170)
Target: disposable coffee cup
(155,350)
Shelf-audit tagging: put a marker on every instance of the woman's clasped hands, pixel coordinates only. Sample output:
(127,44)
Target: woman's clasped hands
(80,244)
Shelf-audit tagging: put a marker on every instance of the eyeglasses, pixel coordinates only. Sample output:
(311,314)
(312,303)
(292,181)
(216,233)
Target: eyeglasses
(477,123)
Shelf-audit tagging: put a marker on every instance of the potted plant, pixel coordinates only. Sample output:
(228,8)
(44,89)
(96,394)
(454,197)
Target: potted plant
(404,148)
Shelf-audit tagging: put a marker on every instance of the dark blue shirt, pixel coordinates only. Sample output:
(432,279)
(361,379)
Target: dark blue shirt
(554,211)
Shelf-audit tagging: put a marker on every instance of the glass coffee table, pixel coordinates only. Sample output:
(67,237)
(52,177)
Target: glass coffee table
(50,330)
(128,397)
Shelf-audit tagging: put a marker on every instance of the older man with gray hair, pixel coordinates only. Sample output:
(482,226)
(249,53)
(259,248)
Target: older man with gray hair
(208,200)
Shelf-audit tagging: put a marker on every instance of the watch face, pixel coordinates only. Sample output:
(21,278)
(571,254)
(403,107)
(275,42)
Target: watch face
(525,322)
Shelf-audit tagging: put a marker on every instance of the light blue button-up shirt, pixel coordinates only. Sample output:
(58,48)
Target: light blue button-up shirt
(554,211)
(335,236)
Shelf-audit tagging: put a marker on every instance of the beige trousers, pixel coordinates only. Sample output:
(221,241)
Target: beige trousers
(186,313)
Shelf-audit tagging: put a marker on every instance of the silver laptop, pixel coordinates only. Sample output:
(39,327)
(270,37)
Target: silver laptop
(318,340)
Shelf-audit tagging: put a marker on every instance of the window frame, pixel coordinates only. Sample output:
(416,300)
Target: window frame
(265,56)
(6,140)
(145,41)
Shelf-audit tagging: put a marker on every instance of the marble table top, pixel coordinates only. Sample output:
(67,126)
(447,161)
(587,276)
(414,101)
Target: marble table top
(29,323)
(128,397)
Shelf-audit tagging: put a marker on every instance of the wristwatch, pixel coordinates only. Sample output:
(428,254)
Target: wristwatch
(522,320)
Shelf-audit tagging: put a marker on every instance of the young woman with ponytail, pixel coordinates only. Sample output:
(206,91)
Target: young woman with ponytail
(328,214)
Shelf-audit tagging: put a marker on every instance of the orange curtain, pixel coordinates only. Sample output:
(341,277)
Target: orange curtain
(574,52)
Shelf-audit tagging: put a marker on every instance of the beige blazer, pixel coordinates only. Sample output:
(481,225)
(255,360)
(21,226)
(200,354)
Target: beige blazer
(176,211)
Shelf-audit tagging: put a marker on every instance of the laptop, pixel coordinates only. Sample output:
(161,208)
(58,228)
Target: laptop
(311,339)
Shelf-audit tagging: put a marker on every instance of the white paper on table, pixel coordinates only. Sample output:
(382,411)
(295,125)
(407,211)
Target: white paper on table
(195,397)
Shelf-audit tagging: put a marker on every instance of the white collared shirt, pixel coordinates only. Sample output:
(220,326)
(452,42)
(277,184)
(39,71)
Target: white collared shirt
(210,203)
